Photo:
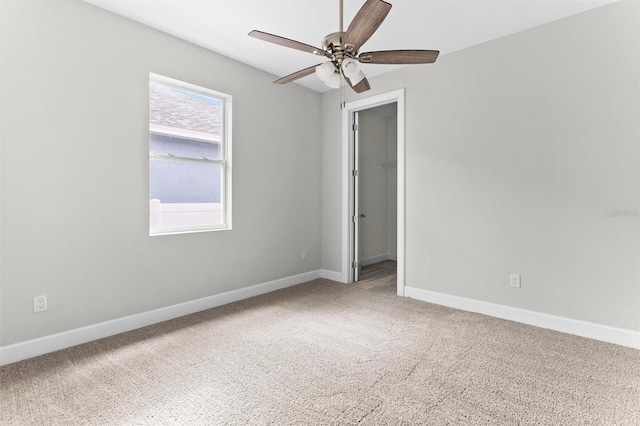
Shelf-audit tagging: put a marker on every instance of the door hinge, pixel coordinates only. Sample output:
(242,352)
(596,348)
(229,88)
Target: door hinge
(354,173)
(354,265)
(355,218)
(355,127)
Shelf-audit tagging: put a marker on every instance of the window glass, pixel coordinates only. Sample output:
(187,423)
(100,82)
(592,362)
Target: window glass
(189,161)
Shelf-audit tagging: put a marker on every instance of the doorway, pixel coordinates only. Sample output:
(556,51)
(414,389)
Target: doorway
(375,186)
(373,229)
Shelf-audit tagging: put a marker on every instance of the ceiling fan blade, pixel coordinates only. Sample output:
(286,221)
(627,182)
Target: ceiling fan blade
(296,75)
(399,57)
(365,23)
(292,44)
(362,86)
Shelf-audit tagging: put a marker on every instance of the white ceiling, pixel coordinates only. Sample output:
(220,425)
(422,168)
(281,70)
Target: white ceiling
(446,25)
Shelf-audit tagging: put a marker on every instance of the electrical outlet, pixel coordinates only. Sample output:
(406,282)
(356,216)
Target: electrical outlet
(514,280)
(40,303)
(303,255)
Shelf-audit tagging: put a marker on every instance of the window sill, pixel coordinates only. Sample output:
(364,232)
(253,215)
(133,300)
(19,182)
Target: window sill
(175,231)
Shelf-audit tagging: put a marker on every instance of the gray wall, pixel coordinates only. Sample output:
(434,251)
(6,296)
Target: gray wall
(516,150)
(392,185)
(74,186)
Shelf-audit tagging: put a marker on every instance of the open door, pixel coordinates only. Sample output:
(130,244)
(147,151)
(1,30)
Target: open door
(356,256)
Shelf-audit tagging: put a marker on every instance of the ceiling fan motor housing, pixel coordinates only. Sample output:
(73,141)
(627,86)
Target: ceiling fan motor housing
(333,45)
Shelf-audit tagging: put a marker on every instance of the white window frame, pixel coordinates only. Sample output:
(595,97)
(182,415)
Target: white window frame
(224,161)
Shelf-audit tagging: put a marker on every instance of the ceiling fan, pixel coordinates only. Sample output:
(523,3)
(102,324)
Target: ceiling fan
(342,50)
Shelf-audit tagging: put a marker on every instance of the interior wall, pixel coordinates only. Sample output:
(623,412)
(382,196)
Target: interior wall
(331,183)
(392,186)
(521,157)
(74,172)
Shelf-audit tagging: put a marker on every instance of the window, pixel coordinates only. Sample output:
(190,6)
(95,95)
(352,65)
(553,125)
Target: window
(189,157)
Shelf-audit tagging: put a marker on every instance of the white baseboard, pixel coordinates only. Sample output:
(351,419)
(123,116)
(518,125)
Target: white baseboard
(594,331)
(379,258)
(40,346)
(373,259)
(331,275)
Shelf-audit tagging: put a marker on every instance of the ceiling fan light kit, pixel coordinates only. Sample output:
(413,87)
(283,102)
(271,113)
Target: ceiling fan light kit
(342,50)
(350,68)
(325,70)
(357,78)
(334,81)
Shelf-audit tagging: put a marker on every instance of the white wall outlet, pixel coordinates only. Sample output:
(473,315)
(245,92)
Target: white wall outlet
(303,255)
(40,303)
(514,280)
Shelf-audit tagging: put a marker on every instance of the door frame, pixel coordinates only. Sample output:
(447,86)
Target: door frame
(397,96)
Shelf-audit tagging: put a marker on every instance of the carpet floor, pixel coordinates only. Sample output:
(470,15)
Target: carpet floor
(324,353)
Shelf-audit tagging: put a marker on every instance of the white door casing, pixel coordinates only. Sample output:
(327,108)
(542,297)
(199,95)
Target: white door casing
(356,256)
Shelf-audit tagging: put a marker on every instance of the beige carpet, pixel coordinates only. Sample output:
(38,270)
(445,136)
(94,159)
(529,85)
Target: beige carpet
(325,353)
